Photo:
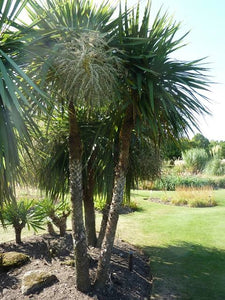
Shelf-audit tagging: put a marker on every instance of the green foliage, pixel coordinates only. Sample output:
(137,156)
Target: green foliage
(217,149)
(49,208)
(215,167)
(22,213)
(171,150)
(195,159)
(144,163)
(56,212)
(99,203)
(170,182)
(133,205)
(222,151)
(16,92)
(199,141)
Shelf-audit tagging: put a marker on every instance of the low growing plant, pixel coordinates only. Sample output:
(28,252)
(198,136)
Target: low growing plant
(21,214)
(99,203)
(55,212)
(194,197)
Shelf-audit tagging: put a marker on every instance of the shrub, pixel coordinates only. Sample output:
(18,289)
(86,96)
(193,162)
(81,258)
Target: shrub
(133,206)
(179,167)
(215,167)
(195,159)
(170,182)
(99,203)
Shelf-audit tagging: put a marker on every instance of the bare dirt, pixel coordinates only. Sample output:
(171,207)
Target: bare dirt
(54,254)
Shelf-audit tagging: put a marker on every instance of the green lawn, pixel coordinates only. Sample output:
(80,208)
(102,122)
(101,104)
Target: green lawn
(186,246)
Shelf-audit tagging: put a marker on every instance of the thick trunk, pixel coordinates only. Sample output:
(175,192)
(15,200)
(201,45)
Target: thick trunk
(62,227)
(117,198)
(90,219)
(60,222)
(89,207)
(79,237)
(18,231)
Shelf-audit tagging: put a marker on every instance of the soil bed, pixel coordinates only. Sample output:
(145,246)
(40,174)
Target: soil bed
(54,254)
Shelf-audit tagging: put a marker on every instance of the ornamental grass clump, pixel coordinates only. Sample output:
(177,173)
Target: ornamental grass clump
(215,167)
(194,197)
(195,159)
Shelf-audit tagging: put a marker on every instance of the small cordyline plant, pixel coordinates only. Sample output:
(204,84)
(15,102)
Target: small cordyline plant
(55,212)
(21,214)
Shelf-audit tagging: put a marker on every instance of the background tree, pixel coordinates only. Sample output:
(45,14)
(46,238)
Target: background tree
(171,150)
(199,141)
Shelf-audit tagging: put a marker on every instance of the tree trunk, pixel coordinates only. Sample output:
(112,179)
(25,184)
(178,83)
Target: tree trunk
(76,189)
(18,231)
(105,212)
(50,228)
(62,226)
(60,222)
(117,198)
(90,218)
(105,215)
(89,207)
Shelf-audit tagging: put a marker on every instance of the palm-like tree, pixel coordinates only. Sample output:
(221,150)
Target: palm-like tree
(82,67)
(16,89)
(158,91)
(161,93)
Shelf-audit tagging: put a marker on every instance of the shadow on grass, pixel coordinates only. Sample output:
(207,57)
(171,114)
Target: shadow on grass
(187,271)
(139,209)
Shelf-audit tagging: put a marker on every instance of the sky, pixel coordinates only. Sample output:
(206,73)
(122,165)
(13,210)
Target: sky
(205,19)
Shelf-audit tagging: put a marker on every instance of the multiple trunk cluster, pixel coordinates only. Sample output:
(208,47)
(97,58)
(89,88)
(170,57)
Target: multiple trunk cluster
(80,236)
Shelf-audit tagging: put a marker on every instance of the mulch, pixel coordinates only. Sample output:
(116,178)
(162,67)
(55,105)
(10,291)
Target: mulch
(53,254)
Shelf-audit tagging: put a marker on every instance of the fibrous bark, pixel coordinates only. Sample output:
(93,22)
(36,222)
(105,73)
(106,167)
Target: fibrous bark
(76,189)
(89,207)
(18,235)
(105,215)
(117,198)
(60,222)
(50,228)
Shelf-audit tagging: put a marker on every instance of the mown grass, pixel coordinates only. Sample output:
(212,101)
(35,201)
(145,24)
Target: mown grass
(186,245)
